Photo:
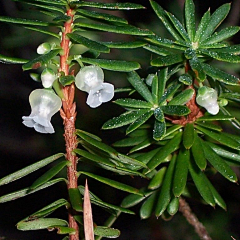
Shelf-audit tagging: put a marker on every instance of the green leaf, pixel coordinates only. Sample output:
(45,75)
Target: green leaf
(75,199)
(79,132)
(29,169)
(218,199)
(220,138)
(162,80)
(93,157)
(177,110)
(23,21)
(41,60)
(173,206)
(100,145)
(101,16)
(96,46)
(109,6)
(159,115)
(181,172)
(218,163)
(159,130)
(202,186)
(164,42)
(44,32)
(11,60)
(169,93)
(140,86)
(226,57)
(197,68)
(147,142)
(123,45)
(52,2)
(156,181)
(113,65)
(128,160)
(133,103)
(49,174)
(129,142)
(113,183)
(218,117)
(178,26)
(126,29)
(41,223)
(106,232)
(197,151)
(210,125)
(183,97)
(235,49)
(157,50)
(222,35)
(155,89)
(124,119)
(165,20)
(219,75)
(133,199)
(66,80)
(47,7)
(186,79)
(165,193)
(188,135)
(167,60)
(224,153)
(47,210)
(140,121)
(148,206)
(216,19)
(24,192)
(190,18)
(205,20)
(166,150)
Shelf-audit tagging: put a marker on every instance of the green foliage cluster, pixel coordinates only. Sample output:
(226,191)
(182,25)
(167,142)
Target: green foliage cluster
(171,141)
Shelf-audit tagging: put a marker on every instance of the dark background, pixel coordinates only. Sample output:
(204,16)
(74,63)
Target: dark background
(21,146)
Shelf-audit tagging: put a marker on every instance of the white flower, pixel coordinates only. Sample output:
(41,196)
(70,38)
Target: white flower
(43,48)
(207,98)
(104,92)
(48,76)
(89,77)
(44,105)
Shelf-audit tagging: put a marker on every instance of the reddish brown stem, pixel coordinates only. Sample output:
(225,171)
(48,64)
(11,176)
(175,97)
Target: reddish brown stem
(68,114)
(193,220)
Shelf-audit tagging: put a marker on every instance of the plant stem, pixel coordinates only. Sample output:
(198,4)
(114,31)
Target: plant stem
(68,114)
(193,220)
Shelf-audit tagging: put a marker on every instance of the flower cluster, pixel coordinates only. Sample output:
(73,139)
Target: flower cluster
(90,79)
(45,102)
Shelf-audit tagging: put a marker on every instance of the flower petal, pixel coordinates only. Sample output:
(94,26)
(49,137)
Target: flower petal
(107,92)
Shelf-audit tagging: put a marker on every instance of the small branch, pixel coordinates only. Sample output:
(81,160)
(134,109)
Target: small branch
(193,220)
(68,114)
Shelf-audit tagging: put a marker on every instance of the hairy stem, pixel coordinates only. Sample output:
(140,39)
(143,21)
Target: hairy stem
(193,220)
(68,114)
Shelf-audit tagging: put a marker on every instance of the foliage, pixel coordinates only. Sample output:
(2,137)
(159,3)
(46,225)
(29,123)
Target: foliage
(173,140)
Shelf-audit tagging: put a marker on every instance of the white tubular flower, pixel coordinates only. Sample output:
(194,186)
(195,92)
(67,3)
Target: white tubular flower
(207,98)
(44,105)
(43,48)
(48,76)
(102,93)
(89,77)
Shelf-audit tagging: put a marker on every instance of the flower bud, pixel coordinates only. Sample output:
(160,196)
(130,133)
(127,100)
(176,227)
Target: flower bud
(207,98)
(48,76)
(89,77)
(43,48)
